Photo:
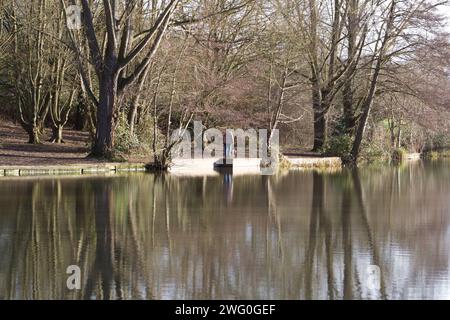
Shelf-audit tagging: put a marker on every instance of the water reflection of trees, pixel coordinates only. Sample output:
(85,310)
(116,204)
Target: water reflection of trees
(293,236)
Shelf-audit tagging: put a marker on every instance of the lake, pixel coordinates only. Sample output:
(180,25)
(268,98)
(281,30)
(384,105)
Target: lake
(295,235)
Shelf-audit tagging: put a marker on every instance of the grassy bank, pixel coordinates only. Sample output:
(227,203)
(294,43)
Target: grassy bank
(439,154)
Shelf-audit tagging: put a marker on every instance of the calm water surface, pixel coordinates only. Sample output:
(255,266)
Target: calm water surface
(298,235)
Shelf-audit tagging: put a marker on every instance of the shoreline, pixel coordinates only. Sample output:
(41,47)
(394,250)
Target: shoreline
(71,169)
(195,167)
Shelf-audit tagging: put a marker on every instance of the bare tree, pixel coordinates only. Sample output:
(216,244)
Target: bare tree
(30,66)
(63,79)
(320,27)
(125,56)
(392,21)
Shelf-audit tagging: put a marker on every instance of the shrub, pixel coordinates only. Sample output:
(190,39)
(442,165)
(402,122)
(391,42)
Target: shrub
(339,146)
(124,141)
(284,163)
(145,132)
(141,141)
(399,155)
(374,154)
(440,141)
(435,155)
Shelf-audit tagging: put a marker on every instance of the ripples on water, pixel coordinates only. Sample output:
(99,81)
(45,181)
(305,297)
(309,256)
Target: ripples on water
(298,235)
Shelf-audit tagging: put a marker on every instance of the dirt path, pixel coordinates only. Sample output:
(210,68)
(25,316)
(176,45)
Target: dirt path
(14,149)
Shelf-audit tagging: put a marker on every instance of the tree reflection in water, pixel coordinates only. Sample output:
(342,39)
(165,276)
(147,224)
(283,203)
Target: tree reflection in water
(297,235)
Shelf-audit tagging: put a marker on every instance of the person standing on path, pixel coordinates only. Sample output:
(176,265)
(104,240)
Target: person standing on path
(228,142)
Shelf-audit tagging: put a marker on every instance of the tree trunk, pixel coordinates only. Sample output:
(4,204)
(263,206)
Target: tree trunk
(33,134)
(104,136)
(349,113)
(360,132)
(366,107)
(320,124)
(392,132)
(319,113)
(133,113)
(399,137)
(57,134)
(320,128)
(347,91)
(80,113)
(132,117)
